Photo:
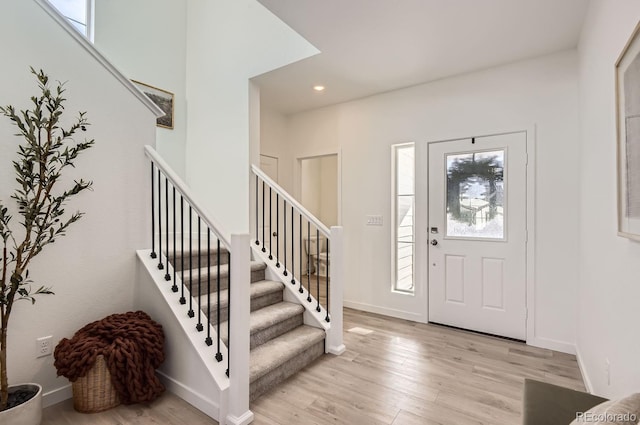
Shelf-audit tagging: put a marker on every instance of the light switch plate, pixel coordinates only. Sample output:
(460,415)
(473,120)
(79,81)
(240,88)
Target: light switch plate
(374,220)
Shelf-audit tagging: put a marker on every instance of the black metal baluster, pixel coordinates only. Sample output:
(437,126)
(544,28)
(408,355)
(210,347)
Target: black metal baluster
(229,317)
(270,238)
(309,261)
(183,300)
(284,228)
(174,288)
(318,269)
(277,230)
(257,229)
(160,265)
(264,249)
(153,214)
(327,319)
(167,276)
(301,290)
(199,325)
(293,249)
(190,313)
(219,354)
(208,339)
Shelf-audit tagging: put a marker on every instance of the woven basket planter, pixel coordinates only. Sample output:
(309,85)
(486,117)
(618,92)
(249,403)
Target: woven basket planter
(94,392)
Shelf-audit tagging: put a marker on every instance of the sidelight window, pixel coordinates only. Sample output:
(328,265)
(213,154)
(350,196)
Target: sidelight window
(403,212)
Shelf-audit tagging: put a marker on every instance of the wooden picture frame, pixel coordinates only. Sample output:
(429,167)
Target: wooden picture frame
(628,137)
(163,99)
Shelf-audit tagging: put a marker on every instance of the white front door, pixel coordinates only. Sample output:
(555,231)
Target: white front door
(477,234)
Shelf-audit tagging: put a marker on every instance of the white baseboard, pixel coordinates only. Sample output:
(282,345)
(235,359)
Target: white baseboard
(399,314)
(192,397)
(187,394)
(56,396)
(583,372)
(552,344)
(245,419)
(337,351)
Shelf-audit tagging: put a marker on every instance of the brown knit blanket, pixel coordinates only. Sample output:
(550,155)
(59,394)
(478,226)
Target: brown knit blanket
(132,346)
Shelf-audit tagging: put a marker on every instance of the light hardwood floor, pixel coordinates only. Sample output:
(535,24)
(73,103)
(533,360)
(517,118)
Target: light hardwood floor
(401,373)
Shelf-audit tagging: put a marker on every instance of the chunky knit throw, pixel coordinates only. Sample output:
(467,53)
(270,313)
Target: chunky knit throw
(132,346)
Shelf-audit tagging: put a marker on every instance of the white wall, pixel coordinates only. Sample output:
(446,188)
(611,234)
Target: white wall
(273,142)
(229,42)
(146,39)
(541,92)
(609,265)
(92,269)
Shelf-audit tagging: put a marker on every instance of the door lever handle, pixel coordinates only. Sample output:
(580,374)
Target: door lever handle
(434,242)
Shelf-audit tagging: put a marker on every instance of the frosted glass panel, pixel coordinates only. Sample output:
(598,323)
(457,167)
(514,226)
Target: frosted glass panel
(475,195)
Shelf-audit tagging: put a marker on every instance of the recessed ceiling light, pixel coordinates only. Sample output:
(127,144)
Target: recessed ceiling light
(318,88)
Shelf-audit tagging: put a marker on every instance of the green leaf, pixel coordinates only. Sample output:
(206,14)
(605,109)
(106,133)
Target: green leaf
(47,146)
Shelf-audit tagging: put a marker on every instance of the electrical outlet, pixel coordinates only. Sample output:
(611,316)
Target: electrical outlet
(607,369)
(44,346)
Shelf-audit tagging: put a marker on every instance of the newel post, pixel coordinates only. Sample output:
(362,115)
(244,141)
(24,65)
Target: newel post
(335,343)
(239,309)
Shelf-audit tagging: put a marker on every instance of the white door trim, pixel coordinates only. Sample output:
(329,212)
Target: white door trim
(531,233)
(422,219)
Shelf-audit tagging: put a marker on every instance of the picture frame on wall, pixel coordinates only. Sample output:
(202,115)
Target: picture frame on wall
(628,137)
(163,99)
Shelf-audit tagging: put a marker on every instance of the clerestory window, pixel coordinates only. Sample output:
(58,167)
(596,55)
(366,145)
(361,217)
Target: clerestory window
(79,13)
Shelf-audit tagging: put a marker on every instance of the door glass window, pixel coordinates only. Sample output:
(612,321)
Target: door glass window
(476,195)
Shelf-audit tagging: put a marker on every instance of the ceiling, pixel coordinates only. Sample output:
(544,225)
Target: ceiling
(374,46)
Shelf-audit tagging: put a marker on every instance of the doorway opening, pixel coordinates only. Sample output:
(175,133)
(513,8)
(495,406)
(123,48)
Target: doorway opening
(319,187)
(319,194)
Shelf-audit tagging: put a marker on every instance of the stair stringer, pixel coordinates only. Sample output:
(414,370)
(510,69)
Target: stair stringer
(311,317)
(190,369)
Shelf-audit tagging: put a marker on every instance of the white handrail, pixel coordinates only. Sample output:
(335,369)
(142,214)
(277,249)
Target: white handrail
(283,193)
(186,193)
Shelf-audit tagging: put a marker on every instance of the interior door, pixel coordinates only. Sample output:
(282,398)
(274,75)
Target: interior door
(269,165)
(477,234)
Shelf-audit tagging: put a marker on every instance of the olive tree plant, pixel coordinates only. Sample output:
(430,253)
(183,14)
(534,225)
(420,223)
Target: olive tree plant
(47,147)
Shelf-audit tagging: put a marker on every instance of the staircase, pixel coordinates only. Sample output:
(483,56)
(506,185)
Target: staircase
(281,344)
(238,318)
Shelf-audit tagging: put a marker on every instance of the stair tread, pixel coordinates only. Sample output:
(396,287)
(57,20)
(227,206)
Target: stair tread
(267,316)
(278,351)
(258,289)
(224,269)
(194,246)
(273,314)
(263,287)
